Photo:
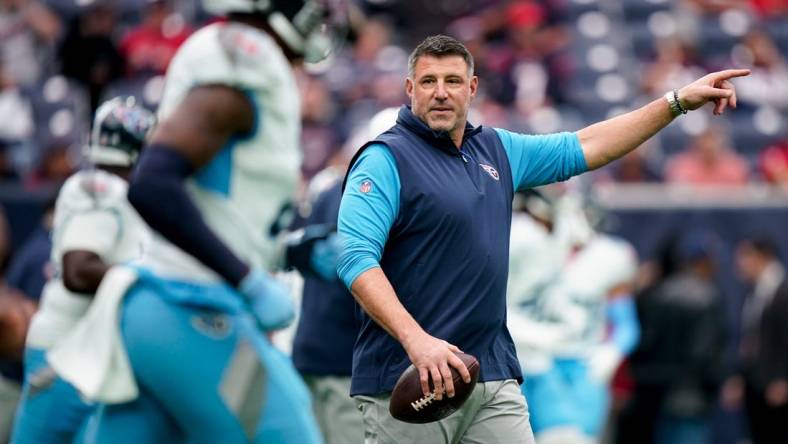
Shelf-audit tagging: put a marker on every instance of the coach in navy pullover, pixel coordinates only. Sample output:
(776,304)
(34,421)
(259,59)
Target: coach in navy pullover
(447,252)
(426,215)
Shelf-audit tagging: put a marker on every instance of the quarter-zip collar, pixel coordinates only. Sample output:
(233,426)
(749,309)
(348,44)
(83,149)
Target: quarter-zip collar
(438,139)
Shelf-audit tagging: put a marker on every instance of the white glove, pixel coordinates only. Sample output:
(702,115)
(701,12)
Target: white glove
(603,362)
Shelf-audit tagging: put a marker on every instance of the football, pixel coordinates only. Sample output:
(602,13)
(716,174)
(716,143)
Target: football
(409,404)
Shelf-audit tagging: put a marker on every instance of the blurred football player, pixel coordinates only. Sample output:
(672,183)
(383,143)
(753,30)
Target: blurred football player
(327,328)
(94,228)
(220,166)
(569,285)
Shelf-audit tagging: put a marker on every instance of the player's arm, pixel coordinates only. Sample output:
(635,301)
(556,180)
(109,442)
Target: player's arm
(195,132)
(367,212)
(83,271)
(181,144)
(16,310)
(622,315)
(608,140)
(84,237)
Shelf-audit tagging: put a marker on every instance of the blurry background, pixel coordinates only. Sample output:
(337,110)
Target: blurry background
(544,66)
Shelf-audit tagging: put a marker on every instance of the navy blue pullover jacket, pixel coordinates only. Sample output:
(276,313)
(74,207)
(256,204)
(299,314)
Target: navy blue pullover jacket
(447,253)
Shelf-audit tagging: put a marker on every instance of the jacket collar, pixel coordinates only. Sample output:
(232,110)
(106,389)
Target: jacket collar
(437,139)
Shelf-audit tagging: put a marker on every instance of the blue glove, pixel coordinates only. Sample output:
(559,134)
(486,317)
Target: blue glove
(269,300)
(325,255)
(314,251)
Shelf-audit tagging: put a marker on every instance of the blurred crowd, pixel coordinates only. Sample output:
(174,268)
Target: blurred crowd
(544,66)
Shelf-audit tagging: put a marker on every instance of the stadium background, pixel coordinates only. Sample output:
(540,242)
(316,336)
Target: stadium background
(544,67)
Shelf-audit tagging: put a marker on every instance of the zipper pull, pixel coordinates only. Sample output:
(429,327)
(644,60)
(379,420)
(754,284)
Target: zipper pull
(464,159)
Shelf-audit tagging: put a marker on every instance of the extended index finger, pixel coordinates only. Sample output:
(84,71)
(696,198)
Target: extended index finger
(729,74)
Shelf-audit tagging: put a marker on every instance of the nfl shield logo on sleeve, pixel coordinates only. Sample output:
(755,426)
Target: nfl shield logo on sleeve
(366,187)
(491,171)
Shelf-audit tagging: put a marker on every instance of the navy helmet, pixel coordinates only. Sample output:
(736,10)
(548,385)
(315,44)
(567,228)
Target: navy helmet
(119,130)
(312,29)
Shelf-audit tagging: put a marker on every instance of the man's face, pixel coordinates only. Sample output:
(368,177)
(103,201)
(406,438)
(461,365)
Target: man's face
(441,91)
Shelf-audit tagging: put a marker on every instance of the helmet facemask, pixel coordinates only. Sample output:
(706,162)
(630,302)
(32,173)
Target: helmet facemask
(118,134)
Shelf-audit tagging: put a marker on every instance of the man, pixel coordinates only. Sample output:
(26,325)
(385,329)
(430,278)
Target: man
(19,296)
(677,367)
(763,379)
(16,309)
(426,212)
(327,328)
(570,314)
(219,168)
(94,228)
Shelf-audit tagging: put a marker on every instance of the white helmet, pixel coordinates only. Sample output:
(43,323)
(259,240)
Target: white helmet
(119,130)
(308,27)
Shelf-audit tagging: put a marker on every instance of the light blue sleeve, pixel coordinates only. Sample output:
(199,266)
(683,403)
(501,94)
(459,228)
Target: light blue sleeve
(542,159)
(622,314)
(369,207)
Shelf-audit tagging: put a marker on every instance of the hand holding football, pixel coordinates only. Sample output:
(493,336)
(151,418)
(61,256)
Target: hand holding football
(409,404)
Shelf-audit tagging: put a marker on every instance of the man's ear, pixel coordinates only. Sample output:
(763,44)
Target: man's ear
(474,85)
(409,86)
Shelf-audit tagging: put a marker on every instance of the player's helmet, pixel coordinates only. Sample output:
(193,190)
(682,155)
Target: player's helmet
(118,134)
(310,28)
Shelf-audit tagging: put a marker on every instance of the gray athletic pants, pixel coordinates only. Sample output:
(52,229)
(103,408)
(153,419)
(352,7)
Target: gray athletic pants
(335,411)
(495,413)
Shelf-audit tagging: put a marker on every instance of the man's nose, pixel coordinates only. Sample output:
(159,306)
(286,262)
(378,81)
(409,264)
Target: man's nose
(440,91)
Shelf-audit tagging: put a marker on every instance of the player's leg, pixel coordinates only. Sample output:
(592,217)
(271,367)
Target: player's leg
(213,372)
(282,412)
(51,409)
(590,398)
(503,417)
(143,420)
(550,407)
(336,412)
(10,394)
(178,354)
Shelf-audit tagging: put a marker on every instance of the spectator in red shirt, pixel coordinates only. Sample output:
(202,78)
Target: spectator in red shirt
(709,161)
(149,47)
(773,163)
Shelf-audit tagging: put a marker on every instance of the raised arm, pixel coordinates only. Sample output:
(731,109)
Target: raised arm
(610,139)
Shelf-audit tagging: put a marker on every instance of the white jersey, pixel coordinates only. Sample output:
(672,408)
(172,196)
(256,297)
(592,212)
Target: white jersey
(582,291)
(557,296)
(536,259)
(241,191)
(91,214)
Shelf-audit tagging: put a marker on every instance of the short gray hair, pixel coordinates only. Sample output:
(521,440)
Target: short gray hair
(439,46)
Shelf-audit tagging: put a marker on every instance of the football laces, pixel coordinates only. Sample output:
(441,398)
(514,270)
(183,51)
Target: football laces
(422,402)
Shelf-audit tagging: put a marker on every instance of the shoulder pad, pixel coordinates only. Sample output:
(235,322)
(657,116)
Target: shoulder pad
(241,43)
(92,188)
(232,54)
